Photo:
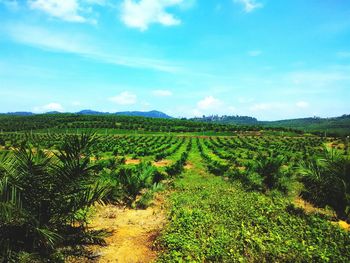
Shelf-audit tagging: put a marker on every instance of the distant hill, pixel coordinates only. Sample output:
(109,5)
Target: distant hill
(228,119)
(336,125)
(20,113)
(149,114)
(331,126)
(53,112)
(91,112)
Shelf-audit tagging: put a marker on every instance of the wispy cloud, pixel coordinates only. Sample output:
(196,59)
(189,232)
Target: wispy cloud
(263,106)
(76,44)
(142,13)
(249,5)
(76,103)
(124,98)
(302,104)
(254,53)
(67,10)
(343,54)
(10,4)
(162,93)
(245,100)
(318,78)
(97,2)
(53,106)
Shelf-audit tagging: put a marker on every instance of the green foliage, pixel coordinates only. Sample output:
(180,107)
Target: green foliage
(327,181)
(40,195)
(270,170)
(338,126)
(147,197)
(133,179)
(178,166)
(212,220)
(72,122)
(49,181)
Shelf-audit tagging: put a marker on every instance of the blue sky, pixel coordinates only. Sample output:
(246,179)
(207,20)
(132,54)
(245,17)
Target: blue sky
(270,59)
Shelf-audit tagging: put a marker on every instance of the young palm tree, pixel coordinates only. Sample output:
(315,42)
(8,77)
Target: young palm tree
(133,180)
(41,196)
(270,170)
(327,181)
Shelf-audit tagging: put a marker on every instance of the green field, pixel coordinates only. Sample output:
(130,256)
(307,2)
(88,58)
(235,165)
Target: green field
(230,194)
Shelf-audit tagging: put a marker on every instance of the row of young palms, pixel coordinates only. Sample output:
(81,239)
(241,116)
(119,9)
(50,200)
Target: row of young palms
(325,176)
(46,197)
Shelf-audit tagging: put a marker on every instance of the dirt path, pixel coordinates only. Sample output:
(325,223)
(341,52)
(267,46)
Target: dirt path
(310,209)
(132,161)
(133,232)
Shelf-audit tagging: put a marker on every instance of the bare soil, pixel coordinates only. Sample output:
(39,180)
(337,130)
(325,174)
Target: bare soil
(132,161)
(162,163)
(309,209)
(188,166)
(132,232)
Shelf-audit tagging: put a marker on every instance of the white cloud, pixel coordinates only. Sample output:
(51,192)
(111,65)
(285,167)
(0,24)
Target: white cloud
(162,93)
(254,53)
(208,106)
(67,10)
(77,44)
(76,103)
(97,2)
(302,104)
(145,12)
(318,78)
(124,98)
(262,106)
(209,103)
(53,106)
(249,5)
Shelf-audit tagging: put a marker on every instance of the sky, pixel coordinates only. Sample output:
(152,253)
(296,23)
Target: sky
(269,59)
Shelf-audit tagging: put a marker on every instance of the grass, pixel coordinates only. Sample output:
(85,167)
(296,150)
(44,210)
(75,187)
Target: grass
(213,220)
